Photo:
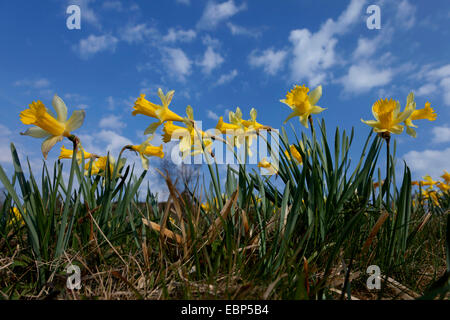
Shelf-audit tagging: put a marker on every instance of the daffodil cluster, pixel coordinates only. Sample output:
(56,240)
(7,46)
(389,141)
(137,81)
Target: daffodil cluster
(429,192)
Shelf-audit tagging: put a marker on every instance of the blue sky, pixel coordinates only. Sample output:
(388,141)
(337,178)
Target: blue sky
(218,55)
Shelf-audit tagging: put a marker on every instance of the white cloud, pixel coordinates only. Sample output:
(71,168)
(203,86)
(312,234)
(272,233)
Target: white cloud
(111,103)
(432,162)
(113,5)
(210,42)
(104,141)
(441,72)
(94,44)
(441,134)
(271,61)
(111,122)
(314,53)
(36,83)
(406,14)
(225,78)
(177,63)
(136,33)
(363,77)
(212,115)
(445,84)
(174,35)
(211,60)
(440,78)
(367,47)
(242,31)
(215,13)
(426,89)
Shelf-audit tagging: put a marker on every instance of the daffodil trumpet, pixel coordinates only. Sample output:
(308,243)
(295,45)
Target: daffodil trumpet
(160,112)
(144,150)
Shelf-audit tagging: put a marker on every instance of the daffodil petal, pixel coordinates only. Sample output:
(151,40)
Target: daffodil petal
(292,115)
(36,132)
(152,128)
(60,108)
(317,110)
(169,97)
(144,161)
(315,95)
(49,143)
(190,112)
(304,121)
(253,114)
(76,120)
(397,129)
(411,132)
(405,114)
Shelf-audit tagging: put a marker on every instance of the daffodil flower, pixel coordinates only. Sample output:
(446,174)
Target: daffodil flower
(388,116)
(252,123)
(160,112)
(68,153)
(145,150)
(225,127)
(428,181)
(431,195)
(295,153)
(16,218)
(302,103)
(244,130)
(446,177)
(47,126)
(443,186)
(268,166)
(427,113)
(99,166)
(190,137)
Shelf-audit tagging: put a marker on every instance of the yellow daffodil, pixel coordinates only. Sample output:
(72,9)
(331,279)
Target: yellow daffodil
(16,218)
(252,123)
(99,167)
(243,131)
(427,113)
(270,168)
(446,177)
(145,150)
(388,116)
(190,137)
(225,127)
(302,103)
(160,112)
(205,206)
(431,195)
(68,153)
(443,186)
(428,181)
(295,153)
(47,126)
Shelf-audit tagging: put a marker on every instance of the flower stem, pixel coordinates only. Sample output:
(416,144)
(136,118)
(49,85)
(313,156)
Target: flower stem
(312,126)
(387,137)
(76,141)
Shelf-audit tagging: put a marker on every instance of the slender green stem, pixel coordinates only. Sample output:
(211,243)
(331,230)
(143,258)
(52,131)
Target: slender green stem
(313,133)
(388,171)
